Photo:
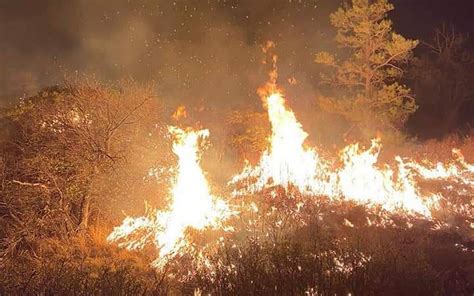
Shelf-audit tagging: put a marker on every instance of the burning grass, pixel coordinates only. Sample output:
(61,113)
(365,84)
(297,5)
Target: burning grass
(365,220)
(325,227)
(354,223)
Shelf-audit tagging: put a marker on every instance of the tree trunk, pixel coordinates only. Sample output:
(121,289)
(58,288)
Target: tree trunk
(85,212)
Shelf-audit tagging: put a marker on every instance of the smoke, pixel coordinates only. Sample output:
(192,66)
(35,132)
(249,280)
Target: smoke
(202,54)
(191,50)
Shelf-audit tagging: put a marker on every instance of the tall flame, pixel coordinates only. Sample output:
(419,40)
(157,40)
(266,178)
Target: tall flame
(192,205)
(360,178)
(288,161)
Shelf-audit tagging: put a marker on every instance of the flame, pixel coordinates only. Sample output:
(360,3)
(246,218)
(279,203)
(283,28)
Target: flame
(287,161)
(180,113)
(192,205)
(359,178)
(458,170)
(362,181)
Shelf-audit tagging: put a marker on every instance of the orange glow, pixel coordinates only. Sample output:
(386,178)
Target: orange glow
(287,161)
(359,178)
(180,113)
(191,205)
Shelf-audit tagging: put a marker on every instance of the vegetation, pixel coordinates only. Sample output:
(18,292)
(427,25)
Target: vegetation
(74,156)
(334,253)
(67,155)
(365,84)
(449,86)
(248,132)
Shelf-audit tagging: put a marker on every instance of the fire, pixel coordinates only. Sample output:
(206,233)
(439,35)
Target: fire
(180,113)
(287,161)
(458,170)
(362,181)
(357,176)
(192,205)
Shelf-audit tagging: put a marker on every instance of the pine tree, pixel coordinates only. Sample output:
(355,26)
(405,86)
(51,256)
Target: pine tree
(365,84)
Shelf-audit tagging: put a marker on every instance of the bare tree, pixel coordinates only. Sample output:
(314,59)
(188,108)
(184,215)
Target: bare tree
(443,77)
(62,153)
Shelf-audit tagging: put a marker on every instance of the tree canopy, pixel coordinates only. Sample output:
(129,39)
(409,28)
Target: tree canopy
(365,83)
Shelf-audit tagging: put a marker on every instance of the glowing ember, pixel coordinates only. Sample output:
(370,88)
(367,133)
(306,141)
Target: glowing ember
(192,205)
(180,113)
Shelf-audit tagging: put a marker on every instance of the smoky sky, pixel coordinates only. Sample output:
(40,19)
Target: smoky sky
(191,50)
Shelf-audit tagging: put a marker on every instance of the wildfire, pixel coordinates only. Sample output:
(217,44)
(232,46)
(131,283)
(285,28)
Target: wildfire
(192,205)
(358,177)
(362,181)
(287,161)
(355,175)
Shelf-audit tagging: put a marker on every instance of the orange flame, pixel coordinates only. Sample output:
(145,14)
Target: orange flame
(360,179)
(180,113)
(192,205)
(288,162)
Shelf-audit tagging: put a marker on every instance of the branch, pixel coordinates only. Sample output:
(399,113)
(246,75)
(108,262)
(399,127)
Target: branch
(389,60)
(31,184)
(121,121)
(395,67)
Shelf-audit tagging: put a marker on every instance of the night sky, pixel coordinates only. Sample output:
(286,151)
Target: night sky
(192,50)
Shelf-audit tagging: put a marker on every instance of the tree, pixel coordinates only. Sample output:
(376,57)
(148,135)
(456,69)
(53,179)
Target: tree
(248,132)
(364,86)
(62,153)
(443,79)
